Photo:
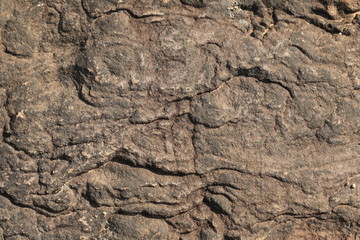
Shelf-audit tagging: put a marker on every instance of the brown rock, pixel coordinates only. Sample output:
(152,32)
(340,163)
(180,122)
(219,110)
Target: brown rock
(179,119)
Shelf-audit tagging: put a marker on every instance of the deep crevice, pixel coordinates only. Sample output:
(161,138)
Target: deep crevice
(213,206)
(77,75)
(5,134)
(89,198)
(322,13)
(105,13)
(143,214)
(302,50)
(327,27)
(131,13)
(121,158)
(262,76)
(16,149)
(21,205)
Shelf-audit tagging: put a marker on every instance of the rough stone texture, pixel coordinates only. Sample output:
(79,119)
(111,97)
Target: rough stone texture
(179,119)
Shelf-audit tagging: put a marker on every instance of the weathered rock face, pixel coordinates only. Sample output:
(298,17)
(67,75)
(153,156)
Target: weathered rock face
(179,119)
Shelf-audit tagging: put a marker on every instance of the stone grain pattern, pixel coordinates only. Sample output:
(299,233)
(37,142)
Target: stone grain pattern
(179,119)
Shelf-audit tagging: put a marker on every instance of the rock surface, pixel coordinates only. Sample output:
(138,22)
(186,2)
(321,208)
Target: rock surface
(179,119)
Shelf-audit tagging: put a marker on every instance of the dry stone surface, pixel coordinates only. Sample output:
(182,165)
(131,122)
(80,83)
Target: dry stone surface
(179,119)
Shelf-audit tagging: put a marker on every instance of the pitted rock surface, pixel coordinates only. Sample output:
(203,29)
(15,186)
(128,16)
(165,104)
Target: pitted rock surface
(179,119)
